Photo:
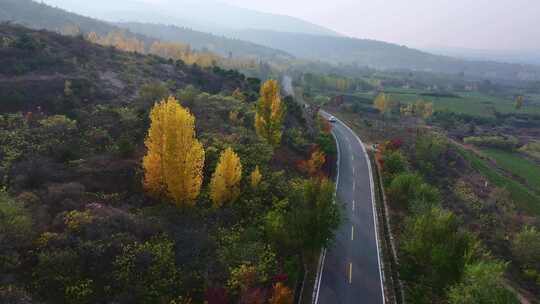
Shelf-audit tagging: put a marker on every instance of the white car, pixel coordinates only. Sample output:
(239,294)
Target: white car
(332,119)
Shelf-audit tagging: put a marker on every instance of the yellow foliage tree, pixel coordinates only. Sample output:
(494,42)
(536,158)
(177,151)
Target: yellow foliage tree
(184,52)
(421,109)
(255,177)
(270,112)
(383,103)
(237,94)
(225,183)
(175,158)
(119,40)
(92,37)
(281,294)
(314,164)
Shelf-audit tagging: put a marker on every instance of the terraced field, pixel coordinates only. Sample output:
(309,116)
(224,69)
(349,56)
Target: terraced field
(471,103)
(517,165)
(525,199)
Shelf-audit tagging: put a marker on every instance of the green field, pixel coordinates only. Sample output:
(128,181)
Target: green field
(521,195)
(472,103)
(517,165)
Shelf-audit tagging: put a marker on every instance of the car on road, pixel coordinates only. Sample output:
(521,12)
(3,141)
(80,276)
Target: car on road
(332,119)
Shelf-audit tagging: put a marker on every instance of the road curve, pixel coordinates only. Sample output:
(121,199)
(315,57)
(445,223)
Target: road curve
(350,271)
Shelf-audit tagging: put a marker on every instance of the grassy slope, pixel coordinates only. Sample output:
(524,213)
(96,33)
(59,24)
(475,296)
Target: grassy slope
(517,165)
(523,197)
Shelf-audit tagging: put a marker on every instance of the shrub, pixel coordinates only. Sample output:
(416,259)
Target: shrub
(15,232)
(532,149)
(147,271)
(403,188)
(394,163)
(151,93)
(526,247)
(482,283)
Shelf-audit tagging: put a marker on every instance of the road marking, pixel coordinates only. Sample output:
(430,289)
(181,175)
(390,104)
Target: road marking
(353,205)
(354,185)
(353,171)
(352,233)
(350,273)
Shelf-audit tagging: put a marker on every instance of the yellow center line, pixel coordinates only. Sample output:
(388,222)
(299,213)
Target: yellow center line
(350,273)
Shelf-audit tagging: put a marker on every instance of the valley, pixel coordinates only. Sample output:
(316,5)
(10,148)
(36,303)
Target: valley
(202,152)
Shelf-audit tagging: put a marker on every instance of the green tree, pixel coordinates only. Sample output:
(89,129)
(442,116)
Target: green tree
(313,216)
(403,188)
(434,254)
(482,283)
(429,153)
(394,163)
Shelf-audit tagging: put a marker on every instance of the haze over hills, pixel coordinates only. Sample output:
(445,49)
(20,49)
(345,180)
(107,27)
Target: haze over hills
(208,15)
(319,47)
(42,16)
(205,41)
(382,55)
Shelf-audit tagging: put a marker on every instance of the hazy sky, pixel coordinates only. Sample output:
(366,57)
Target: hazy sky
(479,24)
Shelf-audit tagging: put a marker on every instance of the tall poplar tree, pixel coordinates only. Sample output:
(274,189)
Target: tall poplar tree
(175,158)
(225,183)
(270,113)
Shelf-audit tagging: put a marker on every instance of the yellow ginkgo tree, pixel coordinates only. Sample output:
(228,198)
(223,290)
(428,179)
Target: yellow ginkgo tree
(225,183)
(270,113)
(174,161)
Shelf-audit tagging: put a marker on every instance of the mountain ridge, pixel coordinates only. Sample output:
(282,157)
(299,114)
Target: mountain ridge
(211,16)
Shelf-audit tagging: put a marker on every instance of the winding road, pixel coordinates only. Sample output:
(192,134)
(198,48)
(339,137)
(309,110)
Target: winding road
(350,271)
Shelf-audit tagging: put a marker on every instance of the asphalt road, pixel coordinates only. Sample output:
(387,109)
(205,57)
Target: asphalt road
(350,271)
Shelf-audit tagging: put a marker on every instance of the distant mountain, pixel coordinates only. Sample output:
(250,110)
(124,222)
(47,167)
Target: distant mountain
(264,44)
(510,56)
(203,15)
(42,16)
(382,55)
(204,41)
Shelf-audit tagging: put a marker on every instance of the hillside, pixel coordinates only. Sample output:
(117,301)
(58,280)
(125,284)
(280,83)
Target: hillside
(204,41)
(32,74)
(273,46)
(203,15)
(79,223)
(36,15)
(382,55)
